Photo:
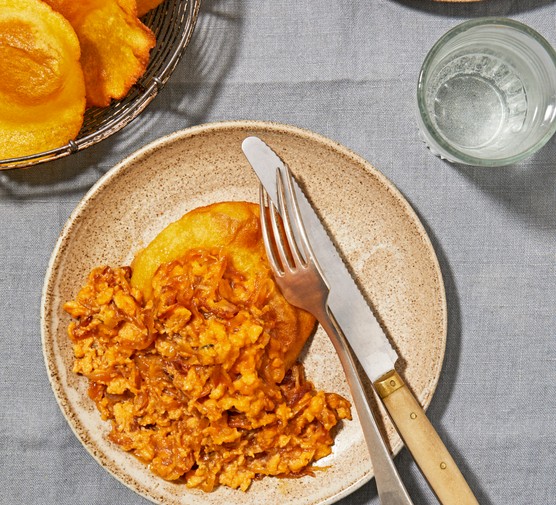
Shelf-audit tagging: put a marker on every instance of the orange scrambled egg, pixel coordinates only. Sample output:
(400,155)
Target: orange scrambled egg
(196,378)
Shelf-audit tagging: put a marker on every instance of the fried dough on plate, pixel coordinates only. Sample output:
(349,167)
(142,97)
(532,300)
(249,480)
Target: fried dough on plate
(115,45)
(231,228)
(189,355)
(42,93)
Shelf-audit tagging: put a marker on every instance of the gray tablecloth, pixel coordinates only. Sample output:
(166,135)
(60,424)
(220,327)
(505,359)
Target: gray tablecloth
(347,70)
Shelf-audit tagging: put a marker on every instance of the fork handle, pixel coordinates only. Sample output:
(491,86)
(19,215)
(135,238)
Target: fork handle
(423,442)
(390,487)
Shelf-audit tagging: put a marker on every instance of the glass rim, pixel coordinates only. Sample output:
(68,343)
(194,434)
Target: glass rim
(423,112)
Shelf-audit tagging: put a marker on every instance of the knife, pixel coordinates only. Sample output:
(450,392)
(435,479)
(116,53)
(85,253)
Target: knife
(369,342)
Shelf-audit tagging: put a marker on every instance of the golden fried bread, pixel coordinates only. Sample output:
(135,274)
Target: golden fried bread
(233,229)
(42,93)
(115,45)
(190,355)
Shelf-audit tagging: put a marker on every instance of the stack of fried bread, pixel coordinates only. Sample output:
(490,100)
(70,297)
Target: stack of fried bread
(58,57)
(191,353)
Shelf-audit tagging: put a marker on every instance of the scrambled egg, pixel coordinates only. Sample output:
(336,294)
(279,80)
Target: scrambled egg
(197,373)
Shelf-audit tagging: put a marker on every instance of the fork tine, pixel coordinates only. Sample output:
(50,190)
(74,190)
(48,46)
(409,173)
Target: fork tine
(285,194)
(290,195)
(267,233)
(279,242)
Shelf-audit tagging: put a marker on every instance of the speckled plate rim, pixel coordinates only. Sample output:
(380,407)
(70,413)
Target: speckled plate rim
(206,129)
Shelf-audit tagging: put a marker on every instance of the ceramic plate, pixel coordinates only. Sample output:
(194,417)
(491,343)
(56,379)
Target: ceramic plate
(376,229)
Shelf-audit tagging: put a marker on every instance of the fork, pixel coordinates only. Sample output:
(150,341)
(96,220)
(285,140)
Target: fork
(301,281)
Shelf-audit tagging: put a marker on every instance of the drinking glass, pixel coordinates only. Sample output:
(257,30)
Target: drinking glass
(487,93)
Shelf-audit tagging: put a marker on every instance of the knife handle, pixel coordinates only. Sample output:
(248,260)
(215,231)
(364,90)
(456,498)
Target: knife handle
(423,442)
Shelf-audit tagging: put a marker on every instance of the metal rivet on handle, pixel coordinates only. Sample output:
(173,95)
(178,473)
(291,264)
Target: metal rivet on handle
(388,383)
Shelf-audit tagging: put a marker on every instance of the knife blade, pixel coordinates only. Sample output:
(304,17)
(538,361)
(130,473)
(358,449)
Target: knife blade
(366,336)
(368,341)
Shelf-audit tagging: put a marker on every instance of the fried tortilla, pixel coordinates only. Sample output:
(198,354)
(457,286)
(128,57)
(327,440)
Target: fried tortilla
(232,229)
(115,45)
(42,92)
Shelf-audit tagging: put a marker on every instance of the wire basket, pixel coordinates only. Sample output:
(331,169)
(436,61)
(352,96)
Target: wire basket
(173,23)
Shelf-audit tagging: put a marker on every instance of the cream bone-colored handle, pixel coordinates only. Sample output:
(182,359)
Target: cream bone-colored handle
(423,442)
